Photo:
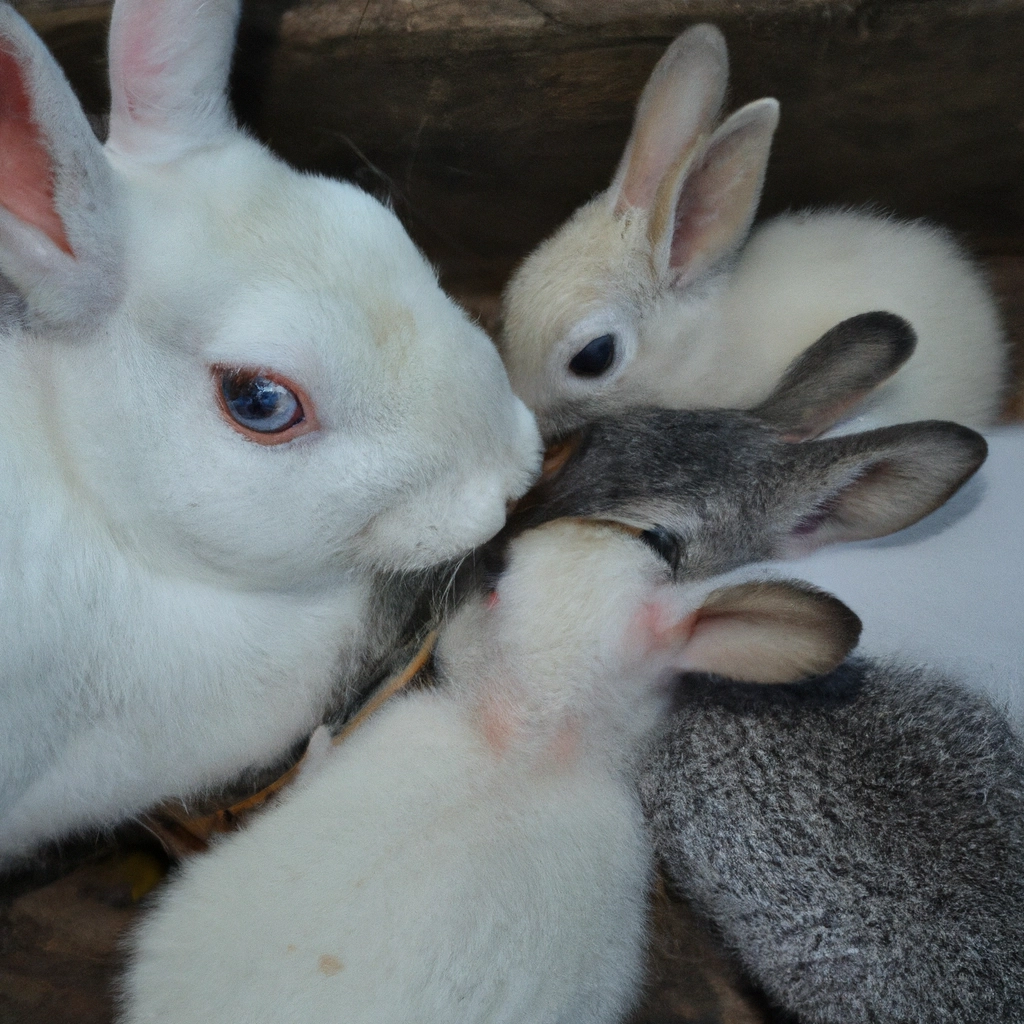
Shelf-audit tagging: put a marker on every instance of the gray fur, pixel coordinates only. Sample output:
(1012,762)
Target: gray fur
(735,492)
(858,842)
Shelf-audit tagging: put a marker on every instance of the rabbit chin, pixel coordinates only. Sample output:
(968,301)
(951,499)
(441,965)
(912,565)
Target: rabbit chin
(442,522)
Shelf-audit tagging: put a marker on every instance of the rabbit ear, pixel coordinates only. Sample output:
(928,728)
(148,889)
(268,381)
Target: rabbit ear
(677,108)
(59,228)
(771,631)
(837,372)
(714,205)
(869,485)
(169,66)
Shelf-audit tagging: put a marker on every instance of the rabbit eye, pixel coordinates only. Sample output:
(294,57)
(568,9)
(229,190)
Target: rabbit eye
(595,357)
(261,405)
(666,544)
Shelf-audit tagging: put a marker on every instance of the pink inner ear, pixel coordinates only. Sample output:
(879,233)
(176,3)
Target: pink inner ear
(26,174)
(136,69)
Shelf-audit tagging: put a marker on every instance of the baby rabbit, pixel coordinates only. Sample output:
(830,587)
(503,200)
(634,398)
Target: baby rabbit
(238,402)
(858,843)
(648,295)
(945,592)
(476,852)
(732,490)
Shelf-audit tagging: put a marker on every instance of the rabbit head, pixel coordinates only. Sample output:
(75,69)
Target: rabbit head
(599,314)
(729,487)
(239,370)
(588,622)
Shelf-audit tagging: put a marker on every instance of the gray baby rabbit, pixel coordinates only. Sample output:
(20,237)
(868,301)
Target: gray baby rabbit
(651,293)
(730,486)
(857,842)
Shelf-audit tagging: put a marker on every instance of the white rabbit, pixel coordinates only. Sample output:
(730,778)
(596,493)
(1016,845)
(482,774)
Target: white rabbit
(237,401)
(647,294)
(476,852)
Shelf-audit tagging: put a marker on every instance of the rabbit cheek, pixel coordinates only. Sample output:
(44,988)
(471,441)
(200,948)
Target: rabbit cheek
(655,629)
(497,724)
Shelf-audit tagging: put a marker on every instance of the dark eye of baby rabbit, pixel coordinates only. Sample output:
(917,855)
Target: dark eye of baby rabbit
(263,406)
(666,544)
(595,357)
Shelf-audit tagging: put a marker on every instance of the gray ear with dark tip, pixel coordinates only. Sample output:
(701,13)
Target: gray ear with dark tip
(837,372)
(868,485)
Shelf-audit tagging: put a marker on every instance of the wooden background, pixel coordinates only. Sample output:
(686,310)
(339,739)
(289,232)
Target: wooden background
(486,122)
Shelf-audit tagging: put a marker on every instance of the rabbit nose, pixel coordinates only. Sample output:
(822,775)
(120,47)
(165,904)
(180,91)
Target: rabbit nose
(666,544)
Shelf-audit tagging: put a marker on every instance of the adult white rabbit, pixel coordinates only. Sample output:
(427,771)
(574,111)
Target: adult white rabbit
(237,400)
(476,852)
(648,295)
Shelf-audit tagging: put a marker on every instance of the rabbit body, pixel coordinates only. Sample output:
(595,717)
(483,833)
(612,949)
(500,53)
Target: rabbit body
(858,842)
(186,589)
(475,852)
(800,274)
(648,295)
(419,878)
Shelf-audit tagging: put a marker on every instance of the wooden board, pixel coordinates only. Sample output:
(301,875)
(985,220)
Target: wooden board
(488,121)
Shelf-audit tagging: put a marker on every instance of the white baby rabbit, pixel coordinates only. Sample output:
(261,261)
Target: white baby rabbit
(237,400)
(476,852)
(647,295)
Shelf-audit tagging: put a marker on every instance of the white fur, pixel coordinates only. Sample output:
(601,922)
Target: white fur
(946,592)
(473,853)
(653,261)
(180,602)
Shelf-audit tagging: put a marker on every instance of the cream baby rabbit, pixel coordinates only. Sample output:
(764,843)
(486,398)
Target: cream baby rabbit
(476,852)
(652,294)
(238,402)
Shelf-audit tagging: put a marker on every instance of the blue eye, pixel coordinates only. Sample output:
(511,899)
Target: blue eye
(258,402)
(595,357)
